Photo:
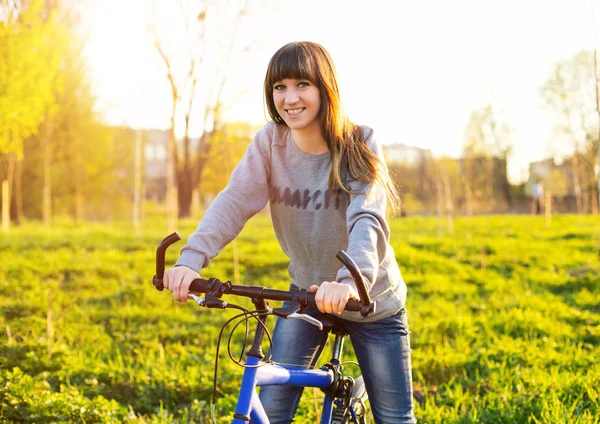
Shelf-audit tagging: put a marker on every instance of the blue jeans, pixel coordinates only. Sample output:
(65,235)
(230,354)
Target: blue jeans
(383,352)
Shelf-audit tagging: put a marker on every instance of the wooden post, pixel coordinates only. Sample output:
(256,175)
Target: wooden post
(548,208)
(5,206)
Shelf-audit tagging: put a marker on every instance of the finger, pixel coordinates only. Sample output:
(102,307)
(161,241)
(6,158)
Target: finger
(341,305)
(336,300)
(183,291)
(319,298)
(313,288)
(185,286)
(166,279)
(176,282)
(329,300)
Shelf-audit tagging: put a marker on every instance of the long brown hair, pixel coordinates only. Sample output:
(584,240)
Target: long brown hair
(347,147)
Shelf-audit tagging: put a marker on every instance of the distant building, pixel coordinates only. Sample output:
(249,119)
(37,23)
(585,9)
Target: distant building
(156,154)
(404,154)
(155,151)
(549,173)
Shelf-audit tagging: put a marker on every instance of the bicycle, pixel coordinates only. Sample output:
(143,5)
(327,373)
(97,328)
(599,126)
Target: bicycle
(345,397)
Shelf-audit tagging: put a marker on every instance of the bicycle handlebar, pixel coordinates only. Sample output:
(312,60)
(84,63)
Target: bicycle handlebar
(302,296)
(217,288)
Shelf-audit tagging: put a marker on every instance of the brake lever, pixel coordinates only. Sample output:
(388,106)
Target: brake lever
(199,300)
(211,302)
(307,318)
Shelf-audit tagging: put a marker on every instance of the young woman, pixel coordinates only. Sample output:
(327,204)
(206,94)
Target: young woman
(327,187)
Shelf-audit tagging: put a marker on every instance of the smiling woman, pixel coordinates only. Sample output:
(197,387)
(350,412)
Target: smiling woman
(328,188)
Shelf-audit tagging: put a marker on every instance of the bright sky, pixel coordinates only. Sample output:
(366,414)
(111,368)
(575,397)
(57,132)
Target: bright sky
(412,70)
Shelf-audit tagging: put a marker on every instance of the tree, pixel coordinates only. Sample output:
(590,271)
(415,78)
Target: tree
(76,164)
(196,62)
(26,77)
(569,94)
(486,150)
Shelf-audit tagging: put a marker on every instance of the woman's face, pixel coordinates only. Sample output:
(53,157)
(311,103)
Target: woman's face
(298,102)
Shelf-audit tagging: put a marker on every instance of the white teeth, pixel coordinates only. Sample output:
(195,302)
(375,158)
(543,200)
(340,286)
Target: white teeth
(294,111)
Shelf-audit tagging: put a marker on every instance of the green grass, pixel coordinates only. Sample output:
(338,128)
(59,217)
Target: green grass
(504,316)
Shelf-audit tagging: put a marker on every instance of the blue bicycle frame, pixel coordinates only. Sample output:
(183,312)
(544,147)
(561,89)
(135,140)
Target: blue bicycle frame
(258,373)
(249,403)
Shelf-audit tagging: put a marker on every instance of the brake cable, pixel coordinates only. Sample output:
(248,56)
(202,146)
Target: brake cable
(247,315)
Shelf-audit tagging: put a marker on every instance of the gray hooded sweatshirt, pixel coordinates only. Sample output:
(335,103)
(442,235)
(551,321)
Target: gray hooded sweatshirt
(312,223)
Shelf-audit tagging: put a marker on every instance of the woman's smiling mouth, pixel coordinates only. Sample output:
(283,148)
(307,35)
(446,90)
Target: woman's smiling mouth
(294,112)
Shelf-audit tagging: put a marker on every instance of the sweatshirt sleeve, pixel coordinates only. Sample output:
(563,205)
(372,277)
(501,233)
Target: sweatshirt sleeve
(246,194)
(368,230)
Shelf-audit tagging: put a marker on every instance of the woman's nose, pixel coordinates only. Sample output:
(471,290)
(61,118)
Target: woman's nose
(291,96)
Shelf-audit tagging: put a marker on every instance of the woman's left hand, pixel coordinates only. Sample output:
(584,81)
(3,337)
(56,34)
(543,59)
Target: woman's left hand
(331,296)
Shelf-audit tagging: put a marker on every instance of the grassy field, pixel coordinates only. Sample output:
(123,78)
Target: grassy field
(504,316)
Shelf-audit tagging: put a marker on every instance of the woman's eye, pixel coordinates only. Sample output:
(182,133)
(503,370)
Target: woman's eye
(303,84)
(279,87)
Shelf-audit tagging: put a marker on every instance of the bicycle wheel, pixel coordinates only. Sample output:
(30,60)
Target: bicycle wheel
(358,411)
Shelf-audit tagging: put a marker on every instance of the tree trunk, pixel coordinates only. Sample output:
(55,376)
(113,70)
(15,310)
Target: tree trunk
(185,183)
(189,180)
(47,190)
(576,182)
(448,203)
(171,187)
(438,205)
(492,206)
(5,206)
(19,191)
(7,188)
(594,200)
(585,197)
(469,200)
(470,185)
(548,207)
(506,184)
(184,193)
(78,188)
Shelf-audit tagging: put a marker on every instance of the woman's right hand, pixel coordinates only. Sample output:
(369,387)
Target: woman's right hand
(177,280)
